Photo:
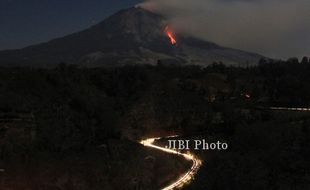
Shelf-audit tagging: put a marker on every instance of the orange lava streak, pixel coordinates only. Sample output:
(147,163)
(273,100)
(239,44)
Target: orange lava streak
(170,35)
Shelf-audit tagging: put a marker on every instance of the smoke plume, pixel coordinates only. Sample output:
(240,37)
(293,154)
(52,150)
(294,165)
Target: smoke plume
(274,28)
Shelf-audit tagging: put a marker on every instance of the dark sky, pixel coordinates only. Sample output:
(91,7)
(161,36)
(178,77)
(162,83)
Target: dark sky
(26,22)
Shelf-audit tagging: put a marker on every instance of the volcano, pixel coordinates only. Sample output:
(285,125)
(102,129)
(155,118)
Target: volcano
(131,36)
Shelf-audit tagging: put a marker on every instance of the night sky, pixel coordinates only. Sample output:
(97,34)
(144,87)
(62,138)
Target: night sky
(26,22)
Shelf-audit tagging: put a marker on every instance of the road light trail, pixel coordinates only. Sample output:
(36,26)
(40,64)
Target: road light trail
(188,176)
(290,109)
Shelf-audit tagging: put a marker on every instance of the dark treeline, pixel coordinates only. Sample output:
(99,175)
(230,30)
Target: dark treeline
(71,109)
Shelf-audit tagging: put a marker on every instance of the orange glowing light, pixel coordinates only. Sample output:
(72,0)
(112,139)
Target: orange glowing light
(171,35)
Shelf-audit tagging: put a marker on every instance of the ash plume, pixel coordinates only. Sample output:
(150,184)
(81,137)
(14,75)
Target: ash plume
(274,28)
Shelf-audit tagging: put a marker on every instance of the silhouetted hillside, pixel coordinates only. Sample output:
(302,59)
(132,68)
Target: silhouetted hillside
(131,36)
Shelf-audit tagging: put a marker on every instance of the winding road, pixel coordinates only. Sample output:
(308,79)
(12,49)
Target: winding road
(196,162)
(189,175)
(290,109)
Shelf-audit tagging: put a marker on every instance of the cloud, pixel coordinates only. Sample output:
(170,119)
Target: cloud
(275,28)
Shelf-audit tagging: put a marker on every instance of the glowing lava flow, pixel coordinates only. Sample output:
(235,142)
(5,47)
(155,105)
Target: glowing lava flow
(170,35)
(188,176)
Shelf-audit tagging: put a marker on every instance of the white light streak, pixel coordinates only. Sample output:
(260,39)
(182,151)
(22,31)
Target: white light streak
(290,109)
(189,175)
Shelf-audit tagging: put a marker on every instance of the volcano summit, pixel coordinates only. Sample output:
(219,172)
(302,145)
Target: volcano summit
(131,36)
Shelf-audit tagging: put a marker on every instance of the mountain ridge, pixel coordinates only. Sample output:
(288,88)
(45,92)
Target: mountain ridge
(131,36)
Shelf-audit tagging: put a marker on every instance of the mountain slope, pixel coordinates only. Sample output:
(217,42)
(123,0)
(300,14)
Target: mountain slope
(131,36)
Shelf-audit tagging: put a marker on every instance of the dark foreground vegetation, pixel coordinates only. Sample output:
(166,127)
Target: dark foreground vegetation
(79,125)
